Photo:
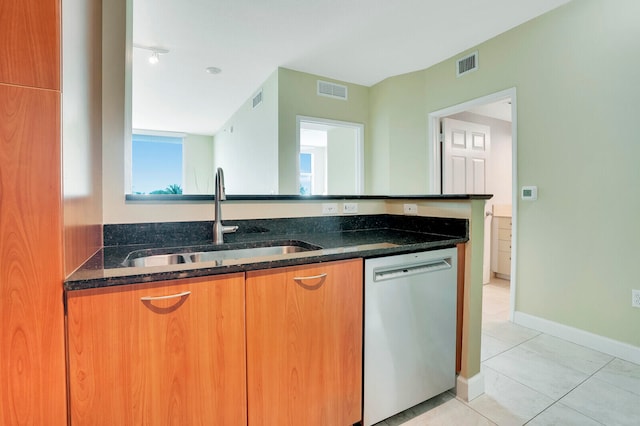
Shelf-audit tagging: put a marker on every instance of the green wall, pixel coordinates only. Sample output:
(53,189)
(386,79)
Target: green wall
(398,113)
(298,96)
(575,71)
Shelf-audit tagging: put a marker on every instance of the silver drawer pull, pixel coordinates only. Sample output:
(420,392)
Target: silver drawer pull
(313,277)
(171,296)
(301,281)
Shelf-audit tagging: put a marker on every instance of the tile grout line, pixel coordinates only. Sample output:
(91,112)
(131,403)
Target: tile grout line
(589,376)
(610,383)
(526,386)
(555,400)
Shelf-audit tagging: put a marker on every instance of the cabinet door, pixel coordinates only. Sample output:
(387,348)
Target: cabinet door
(173,361)
(304,345)
(30,43)
(31,312)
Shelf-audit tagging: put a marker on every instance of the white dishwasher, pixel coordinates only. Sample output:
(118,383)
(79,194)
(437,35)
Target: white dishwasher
(409,330)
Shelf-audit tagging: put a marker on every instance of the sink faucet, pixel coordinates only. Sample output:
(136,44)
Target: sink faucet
(218,228)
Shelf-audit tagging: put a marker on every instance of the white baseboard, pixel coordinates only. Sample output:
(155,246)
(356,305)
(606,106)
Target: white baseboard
(471,388)
(603,344)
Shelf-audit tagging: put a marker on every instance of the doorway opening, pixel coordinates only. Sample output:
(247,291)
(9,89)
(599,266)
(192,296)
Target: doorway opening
(330,157)
(477,153)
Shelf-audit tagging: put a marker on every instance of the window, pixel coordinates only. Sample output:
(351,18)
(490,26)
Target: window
(156,163)
(306,173)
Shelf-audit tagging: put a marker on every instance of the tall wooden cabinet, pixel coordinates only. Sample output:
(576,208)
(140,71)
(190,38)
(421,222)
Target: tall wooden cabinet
(304,344)
(32,369)
(159,354)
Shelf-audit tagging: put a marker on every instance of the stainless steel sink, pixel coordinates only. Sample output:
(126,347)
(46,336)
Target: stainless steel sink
(157,260)
(218,254)
(208,256)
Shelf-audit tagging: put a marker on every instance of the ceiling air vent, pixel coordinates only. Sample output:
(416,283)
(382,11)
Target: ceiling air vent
(332,90)
(467,64)
(257,99)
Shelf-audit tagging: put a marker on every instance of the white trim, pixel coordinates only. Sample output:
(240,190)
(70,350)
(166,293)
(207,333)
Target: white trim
(158,133)
(603,344)
(434,129)
(470,388)
(514,201)
(433,147)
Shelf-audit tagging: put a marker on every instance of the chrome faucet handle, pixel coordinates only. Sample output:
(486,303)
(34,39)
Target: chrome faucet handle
(229,229)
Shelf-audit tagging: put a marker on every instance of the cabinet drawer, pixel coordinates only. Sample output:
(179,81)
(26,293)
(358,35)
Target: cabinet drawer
(504,234)
(504,223)
(504,246)
(504,263)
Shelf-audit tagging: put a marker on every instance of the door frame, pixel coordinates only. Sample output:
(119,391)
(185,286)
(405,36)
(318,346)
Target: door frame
(435,154)
(358,127)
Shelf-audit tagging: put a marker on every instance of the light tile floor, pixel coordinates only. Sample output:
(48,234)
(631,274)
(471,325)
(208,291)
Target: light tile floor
(534,379)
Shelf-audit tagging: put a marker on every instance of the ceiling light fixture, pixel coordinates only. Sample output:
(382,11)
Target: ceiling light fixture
(154,58)
(213,70)
(155,52)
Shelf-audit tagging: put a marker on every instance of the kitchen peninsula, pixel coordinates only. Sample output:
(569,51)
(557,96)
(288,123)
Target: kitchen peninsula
(126,310)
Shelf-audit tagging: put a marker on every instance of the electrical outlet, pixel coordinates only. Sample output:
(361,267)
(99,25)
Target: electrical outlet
(411,209)
(350,208)
(330,208)
(635,298)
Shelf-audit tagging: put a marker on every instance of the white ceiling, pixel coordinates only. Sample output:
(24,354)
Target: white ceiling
(357,41)
(500,110)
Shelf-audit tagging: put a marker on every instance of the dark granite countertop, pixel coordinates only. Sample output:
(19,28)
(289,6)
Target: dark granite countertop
(155,198)
(338,238)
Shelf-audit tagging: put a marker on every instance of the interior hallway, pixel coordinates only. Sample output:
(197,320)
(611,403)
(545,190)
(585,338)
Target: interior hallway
(535,379)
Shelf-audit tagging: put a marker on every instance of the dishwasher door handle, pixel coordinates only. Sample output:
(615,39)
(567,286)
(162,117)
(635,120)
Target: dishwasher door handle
(409,270)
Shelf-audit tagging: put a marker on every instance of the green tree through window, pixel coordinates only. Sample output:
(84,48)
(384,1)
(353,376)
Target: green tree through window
(156,164)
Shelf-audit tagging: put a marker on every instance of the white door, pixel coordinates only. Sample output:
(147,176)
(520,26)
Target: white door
(465,159)
(465,156)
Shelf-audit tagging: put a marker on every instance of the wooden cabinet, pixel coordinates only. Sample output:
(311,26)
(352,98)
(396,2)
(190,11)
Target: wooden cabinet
(174,353)
(304,344)
(138,359)
(32,335)
(501,247)
(32,363)
(30,43)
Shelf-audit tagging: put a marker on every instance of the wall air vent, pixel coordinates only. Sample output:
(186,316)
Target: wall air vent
(257,99)
(332,90)
(467,64)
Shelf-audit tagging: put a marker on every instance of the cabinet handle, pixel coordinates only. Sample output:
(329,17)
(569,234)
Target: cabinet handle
(301,280)
(171,296)
(312,277)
